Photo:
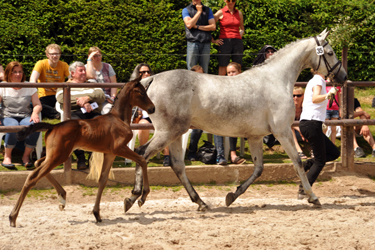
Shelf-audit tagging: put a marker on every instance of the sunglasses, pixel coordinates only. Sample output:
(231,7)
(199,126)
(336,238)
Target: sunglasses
(269,52)
(143,72)
(297,95)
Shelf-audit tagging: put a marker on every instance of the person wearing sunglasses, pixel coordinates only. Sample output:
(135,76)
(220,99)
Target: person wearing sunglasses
(144,70)
(298,100)
(50,70)
(230,38)
(102,73)
(199,22)
(16,110)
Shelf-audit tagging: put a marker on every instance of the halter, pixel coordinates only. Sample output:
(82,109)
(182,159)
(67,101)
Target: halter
(320,53)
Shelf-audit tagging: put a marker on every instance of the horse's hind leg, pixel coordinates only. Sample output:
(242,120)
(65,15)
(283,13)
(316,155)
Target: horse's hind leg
(31,180)
(178,166)
(61,193)
(256,149)
(290,149)
(107,163)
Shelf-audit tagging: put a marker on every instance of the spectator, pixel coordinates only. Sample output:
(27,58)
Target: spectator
(363,130)
(230,38)
(145,71)
(102,73)
(50,70)
(311,121)
(16,110)
(199,22)
(233,69)
(263,55)
(82,102)
(1,73)
(298,99)
(195,133)
(333,112)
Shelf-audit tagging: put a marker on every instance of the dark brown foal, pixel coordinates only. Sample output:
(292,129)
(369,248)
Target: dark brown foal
(108,134)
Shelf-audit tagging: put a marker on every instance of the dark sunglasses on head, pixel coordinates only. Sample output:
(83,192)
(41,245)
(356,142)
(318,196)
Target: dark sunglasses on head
(297,95)
(142,72)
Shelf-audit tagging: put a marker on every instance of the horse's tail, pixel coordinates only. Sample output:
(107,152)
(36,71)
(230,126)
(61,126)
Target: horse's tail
(96,166)
(37,127)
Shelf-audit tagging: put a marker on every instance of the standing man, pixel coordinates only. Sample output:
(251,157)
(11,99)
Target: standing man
(50,70)
(199,22)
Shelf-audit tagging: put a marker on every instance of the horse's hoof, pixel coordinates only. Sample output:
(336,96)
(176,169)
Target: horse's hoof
(97,216)
(203,208)
(61,207)
(315,202)
(229,199)
(12,222)
(128,204)
(140,203)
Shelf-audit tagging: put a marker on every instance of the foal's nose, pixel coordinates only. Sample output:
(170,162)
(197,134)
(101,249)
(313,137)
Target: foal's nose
(151,110)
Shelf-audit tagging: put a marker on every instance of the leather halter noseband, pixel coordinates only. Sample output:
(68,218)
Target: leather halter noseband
(329,68)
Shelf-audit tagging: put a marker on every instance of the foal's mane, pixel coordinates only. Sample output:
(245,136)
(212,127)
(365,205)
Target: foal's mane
(133,82)
(279,52)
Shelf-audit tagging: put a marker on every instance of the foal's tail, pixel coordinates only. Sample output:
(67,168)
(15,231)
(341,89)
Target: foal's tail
(37,127)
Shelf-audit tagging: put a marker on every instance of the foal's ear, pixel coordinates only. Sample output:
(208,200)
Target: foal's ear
(324,34)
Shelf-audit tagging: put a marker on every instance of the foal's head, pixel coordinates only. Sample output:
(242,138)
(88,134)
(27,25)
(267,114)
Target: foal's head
(137,96)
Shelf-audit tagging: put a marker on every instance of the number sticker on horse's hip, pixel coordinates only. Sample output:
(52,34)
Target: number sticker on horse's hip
(319,50)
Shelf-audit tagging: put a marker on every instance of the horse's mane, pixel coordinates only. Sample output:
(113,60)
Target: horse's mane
(279,52)
(136,80)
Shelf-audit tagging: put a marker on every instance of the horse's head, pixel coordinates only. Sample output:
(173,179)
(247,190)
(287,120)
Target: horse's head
(326,61)
(138,97)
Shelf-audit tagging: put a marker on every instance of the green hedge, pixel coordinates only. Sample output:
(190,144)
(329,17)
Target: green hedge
(152,31)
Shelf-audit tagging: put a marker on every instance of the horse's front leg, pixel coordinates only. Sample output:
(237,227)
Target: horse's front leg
(290,149)
(107,164)
(178,166)
(256,149)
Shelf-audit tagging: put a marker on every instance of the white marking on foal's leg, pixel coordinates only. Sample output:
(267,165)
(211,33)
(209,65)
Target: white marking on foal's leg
(62,202)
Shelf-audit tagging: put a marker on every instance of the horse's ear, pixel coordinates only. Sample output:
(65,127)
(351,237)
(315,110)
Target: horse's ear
(324,34)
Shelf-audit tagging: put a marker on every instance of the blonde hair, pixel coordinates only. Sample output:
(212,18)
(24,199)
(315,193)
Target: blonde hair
(94,48)
(236,65)
(196,68)
(53,46)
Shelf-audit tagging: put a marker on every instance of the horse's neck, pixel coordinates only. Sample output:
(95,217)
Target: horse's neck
(289,62)
(122,109)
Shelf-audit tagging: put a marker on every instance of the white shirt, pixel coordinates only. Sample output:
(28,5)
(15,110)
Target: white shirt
(310,110)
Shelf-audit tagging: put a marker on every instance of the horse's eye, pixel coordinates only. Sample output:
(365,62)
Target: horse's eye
(330,53)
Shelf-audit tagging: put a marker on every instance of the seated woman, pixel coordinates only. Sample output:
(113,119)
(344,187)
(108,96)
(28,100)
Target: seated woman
(18,111)
(144,70)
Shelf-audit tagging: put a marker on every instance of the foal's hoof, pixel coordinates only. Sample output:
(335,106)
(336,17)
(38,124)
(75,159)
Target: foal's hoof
(61,207)
(97,216)
(229,199)
(12,222)
(128,204)
(316,203)
(140,203)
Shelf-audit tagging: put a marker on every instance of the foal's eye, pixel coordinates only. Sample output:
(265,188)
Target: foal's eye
(330,53)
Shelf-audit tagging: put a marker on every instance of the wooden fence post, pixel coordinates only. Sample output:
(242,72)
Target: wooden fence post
(67,115)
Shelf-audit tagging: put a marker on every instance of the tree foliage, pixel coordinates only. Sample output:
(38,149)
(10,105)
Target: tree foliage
(152,31)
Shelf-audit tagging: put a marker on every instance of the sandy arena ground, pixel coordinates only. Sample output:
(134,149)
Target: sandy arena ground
(265,217)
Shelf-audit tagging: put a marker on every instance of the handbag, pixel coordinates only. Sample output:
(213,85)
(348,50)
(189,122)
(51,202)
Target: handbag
(207,153)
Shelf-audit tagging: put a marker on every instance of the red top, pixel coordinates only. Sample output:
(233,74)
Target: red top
(230,24)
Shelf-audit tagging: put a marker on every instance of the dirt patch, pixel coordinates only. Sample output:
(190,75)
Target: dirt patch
(267,216)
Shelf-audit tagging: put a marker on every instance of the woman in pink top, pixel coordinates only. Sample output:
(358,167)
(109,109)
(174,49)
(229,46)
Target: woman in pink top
(230,38)
(333,112)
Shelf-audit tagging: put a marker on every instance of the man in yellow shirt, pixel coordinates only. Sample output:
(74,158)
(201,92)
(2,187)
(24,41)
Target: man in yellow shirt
(50,70)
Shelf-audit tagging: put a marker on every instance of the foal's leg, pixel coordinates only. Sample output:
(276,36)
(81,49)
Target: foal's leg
(61,193)
(256,149)
(107,164)
(287,142)
(178,166)
(45,168)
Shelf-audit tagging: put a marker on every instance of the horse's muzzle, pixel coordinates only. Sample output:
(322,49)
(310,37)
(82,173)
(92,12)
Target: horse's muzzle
(151,110)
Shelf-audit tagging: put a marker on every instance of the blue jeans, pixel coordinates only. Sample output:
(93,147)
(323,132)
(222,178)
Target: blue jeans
(194,139)
(198,53)
(10,138)
(219,144)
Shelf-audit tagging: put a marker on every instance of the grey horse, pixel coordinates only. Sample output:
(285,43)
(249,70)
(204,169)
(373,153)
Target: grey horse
(253,104)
